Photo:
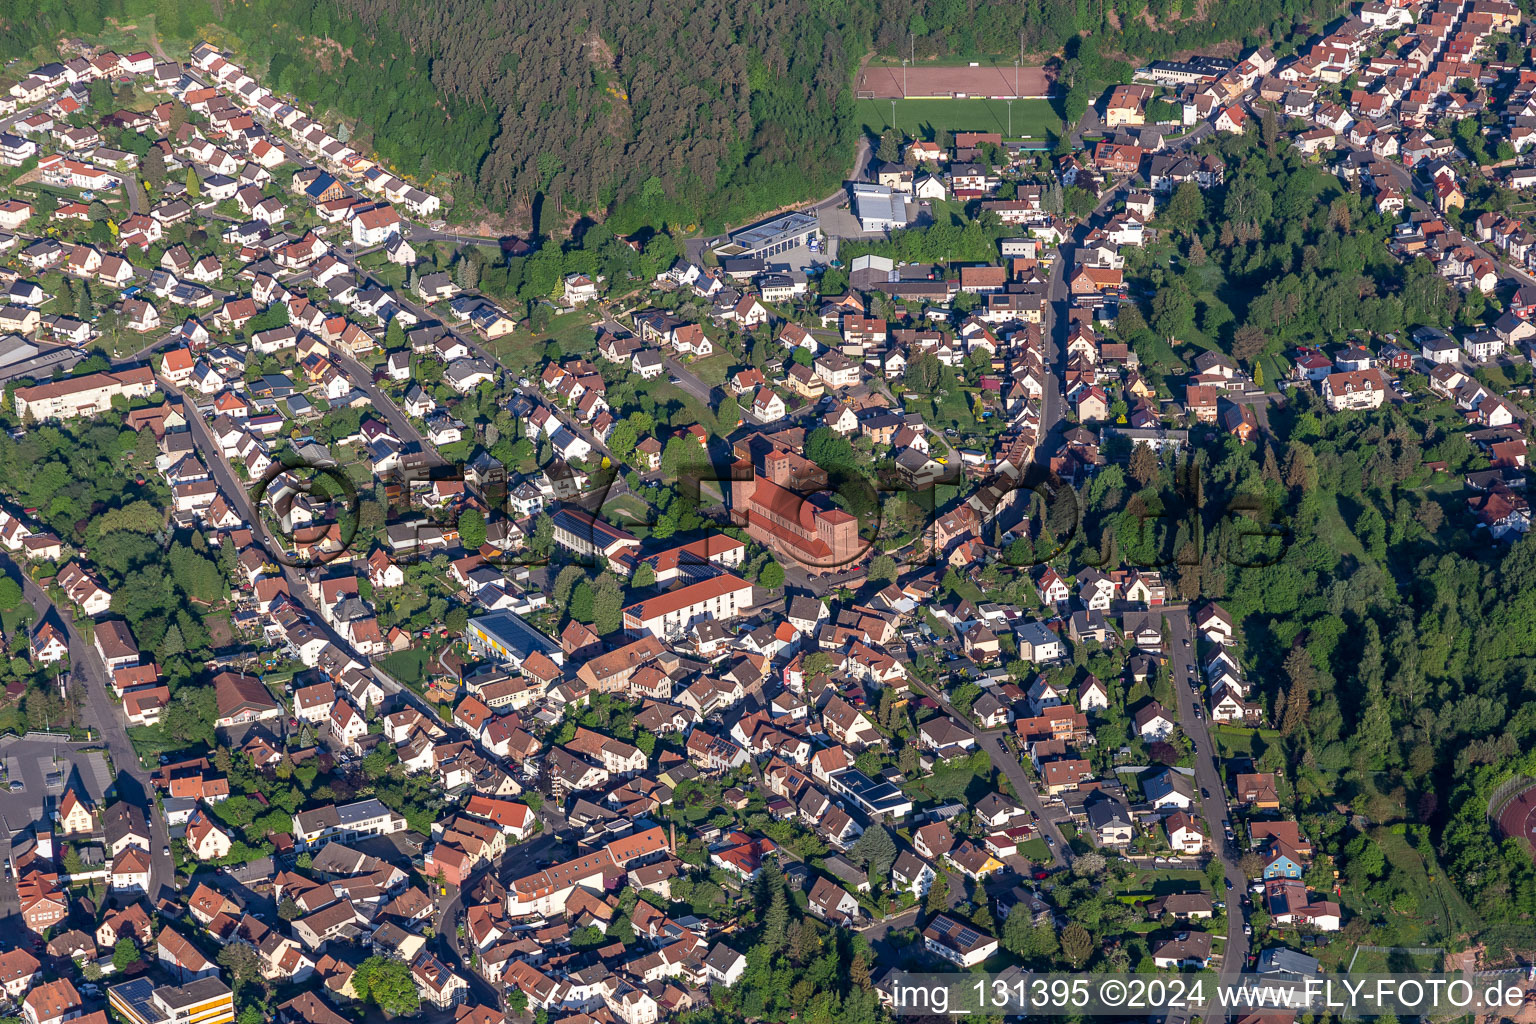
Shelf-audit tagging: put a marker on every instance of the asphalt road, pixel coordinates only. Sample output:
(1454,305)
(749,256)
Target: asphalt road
(1005,761)
(1053,409)
(106,716)
(236,492)
(1208,776)
(383,405)
(1057,325)
(416,233)
(1410,186)
(580,429)
(690,382)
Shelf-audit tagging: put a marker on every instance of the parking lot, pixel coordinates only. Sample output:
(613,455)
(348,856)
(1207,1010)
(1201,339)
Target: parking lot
(36,771)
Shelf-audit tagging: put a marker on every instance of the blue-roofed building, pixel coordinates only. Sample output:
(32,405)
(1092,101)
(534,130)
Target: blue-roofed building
(490,320)
(875,799)
(141,1001)
(508,638)
(580,532)
(462,306)
(323,188)
(775,236)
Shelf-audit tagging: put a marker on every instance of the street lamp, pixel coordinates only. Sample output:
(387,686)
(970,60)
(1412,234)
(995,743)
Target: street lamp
(1015,78)
(1010,117)
(903,78)
(893,113)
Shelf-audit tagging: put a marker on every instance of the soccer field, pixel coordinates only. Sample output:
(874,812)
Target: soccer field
(1032,119)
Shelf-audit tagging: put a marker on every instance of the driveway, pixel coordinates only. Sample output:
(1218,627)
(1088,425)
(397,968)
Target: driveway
(45,767)
(690,382)
(1006,762)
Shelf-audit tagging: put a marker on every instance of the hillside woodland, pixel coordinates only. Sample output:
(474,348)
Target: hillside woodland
(650,114)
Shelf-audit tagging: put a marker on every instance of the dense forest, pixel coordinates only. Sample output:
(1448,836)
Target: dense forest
(644,113)
(669,111)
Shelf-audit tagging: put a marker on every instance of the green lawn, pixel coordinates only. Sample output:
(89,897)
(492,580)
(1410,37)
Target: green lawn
(573,331)
(408,666)
(522,351)
(1035,850)
(967,778)
(969,591)
(378,265)
(1275,369)
(519,352)
(1375,961)
(627,511)
(16,618)
(1032,119)
(676,407)
(1161,882)
(1331,526)
(1238,741)
(113,198)
(713,370)
(1158,355)
(1441,910)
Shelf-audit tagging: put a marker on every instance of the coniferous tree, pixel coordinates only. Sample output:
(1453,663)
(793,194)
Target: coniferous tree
(1298,702)
(1076,943)
(803,941)
(858,971)
(1143,464)
(776,917)
(937,900)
